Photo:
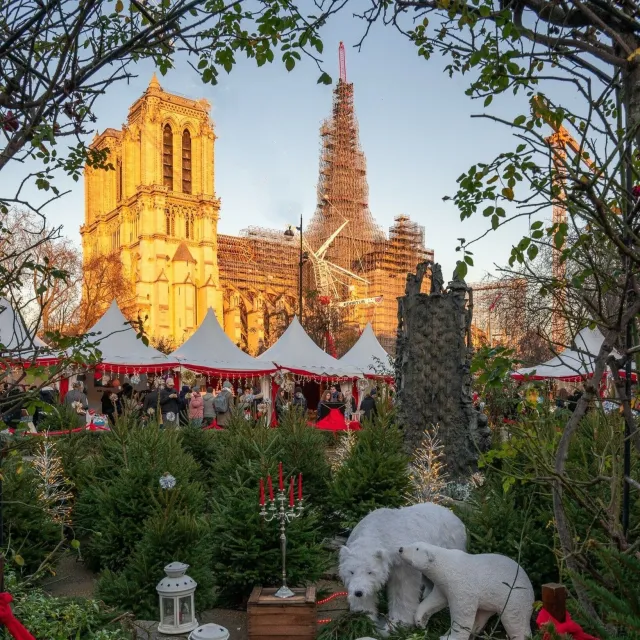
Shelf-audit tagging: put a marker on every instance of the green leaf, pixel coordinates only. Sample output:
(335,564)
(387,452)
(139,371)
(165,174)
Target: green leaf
(19,560)
(119,6)
(469,260)
(75,544)
(495,222)
(532,251)
(289,64)
(521,148)
(520,120)
(487,100)
(461,269)
(325,78)
(537,224)
(507,192)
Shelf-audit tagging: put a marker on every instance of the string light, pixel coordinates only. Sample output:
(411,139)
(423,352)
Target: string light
(339,594)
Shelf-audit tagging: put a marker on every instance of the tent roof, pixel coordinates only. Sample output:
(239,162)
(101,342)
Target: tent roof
(120,346)
(367,354)
(572,364)
(18,341)
(210,349)
(297,352)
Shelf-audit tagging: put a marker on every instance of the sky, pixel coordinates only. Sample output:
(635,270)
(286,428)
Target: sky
(416,131)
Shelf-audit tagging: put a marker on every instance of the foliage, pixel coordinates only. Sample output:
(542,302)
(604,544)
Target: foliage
(517,523)
(349,626)
(245,548)
(618,603)
(61,618)
(123,490)
(29,533)
(173,533)
(374,475)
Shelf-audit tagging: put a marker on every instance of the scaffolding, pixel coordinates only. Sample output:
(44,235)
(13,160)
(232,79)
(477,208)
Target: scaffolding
(263,262)
(498,312)
(342,189)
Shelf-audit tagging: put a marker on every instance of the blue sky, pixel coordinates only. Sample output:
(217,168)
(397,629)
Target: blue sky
(415,128)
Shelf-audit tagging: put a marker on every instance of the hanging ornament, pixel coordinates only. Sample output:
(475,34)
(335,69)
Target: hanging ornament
(105,380)
(171,416)
(126,378)
(362,384)
(135,378)
(278,378)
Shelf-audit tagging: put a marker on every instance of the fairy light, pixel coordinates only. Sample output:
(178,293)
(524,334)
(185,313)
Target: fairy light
(339,594)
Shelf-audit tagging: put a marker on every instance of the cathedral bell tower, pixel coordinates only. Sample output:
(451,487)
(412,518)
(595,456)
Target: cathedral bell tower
(158,210)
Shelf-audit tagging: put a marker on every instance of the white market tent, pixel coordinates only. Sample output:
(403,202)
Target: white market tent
(572,365)
(296,352)
(210,350)
(17,342)
(366,355)
(121,349)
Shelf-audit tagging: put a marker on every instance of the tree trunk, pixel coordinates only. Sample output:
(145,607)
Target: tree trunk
(433,359)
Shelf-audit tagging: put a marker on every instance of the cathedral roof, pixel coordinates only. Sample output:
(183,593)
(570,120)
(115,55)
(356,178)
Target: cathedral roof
(154,84)
(183,254)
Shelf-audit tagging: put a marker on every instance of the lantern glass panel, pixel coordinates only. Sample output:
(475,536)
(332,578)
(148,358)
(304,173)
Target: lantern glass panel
(186,614)
(168,611)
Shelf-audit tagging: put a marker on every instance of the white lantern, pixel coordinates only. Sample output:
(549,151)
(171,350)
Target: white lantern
(209,631)
(177,607)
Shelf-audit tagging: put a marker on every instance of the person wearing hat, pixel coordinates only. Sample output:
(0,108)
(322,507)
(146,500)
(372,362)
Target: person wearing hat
(368,405)
(223,404)
(299,400)
(76,395)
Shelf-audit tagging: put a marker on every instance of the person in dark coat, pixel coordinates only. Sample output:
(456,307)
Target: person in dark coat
(110,404)
(281,404)
(151,401)
(300,401)
(368,405)
(323,408)
(169,404)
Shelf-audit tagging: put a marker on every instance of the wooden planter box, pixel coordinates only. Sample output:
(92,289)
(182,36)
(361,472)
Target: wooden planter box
(282,619)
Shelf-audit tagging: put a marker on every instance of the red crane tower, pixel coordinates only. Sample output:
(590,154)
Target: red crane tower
(343,63)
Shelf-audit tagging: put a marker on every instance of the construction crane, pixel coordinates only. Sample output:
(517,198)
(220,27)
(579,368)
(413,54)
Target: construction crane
(355,303)
(558,143)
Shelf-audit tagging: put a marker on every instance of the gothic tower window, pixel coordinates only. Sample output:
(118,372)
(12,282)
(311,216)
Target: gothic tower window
(186,161)
(170,220)
(167,156)
(188,226)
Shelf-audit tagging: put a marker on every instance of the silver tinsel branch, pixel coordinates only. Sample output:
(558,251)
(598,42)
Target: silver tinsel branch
(54,488)
(428,470)
(343,449)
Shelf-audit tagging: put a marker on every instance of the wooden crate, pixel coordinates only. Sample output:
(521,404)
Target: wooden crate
(272,618)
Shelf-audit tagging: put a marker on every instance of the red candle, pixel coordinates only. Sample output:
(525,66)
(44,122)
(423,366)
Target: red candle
(291,493)
(270,485)
(281,485)
(300,487)
(261,492)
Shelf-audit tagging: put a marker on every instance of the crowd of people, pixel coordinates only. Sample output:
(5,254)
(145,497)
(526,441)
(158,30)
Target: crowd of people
(195,405)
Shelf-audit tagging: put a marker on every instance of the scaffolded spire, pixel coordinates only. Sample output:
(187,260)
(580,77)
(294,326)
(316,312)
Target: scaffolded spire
(342,187)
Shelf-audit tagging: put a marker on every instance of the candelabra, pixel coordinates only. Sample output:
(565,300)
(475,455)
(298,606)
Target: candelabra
(276,510)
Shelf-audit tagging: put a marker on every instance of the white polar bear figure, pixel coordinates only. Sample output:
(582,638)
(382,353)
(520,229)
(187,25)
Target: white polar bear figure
(370,558)
(474,587)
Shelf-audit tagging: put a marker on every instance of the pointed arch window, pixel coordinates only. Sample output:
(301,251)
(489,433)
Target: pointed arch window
(186,161)
(167,157)
(170,220)
(189,230)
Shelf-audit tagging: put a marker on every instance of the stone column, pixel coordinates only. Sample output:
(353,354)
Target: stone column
(433,360)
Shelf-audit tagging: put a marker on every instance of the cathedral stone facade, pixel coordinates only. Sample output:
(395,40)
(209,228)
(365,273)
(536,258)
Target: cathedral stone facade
(158,210)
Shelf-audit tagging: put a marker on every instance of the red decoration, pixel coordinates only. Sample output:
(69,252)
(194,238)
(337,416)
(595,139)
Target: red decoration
(281,485)
(261,492)
(568,627)
(291,493)
(300,487)
(13,625)
(324,299)
(10,122)
(636,191)
(270,485)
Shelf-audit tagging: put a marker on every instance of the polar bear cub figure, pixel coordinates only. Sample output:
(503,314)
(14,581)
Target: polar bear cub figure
(370,558)
(474,587)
